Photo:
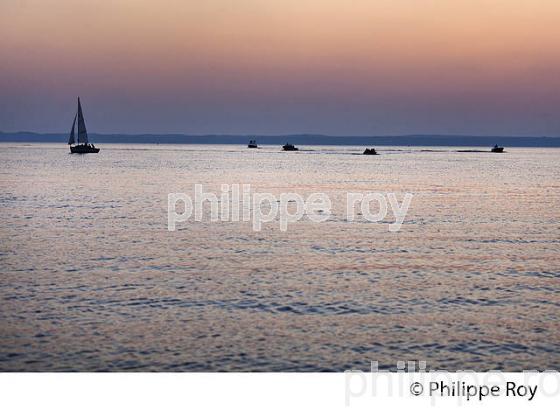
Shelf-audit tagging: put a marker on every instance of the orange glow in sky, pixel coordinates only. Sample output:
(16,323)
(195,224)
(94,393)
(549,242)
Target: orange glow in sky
(262,66)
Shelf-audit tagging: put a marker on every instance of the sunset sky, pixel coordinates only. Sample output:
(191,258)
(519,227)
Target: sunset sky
(339,67)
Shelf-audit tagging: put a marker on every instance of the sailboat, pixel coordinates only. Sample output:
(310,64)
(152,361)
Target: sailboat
(83,146)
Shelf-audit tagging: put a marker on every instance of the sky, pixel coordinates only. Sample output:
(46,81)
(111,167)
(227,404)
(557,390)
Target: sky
(337,67)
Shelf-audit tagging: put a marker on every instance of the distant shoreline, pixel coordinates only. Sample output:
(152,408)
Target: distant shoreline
(298,139)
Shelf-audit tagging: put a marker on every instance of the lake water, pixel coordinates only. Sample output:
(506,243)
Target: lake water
(92,280)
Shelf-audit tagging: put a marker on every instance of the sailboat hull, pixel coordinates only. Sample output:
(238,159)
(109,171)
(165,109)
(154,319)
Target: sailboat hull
(83,149)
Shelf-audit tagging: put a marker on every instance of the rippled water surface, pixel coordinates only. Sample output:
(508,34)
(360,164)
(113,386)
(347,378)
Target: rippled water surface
(91,279)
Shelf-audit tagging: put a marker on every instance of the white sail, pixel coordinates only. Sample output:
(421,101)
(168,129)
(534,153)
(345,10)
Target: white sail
(82,132)
(71,139)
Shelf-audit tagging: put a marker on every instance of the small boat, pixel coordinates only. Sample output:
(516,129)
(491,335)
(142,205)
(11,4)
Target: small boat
(252,144)
(497,149)
(289,147)
(370,151)
(83,146)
